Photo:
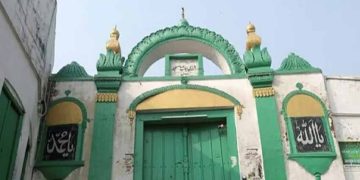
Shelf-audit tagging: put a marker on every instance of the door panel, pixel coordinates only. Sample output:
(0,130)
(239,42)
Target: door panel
(206,157)
(185,152)
(163,153)
(9,120)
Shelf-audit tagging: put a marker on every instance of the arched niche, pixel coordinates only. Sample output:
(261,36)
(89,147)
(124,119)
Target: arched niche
(308,130)
(183,39)
(62,136)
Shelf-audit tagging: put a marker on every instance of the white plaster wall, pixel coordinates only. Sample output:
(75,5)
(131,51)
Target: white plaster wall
(15,68)
(85,91)
(34,25)
(283,85)
(352,172)
(26,57)
(248,139)
(344,98)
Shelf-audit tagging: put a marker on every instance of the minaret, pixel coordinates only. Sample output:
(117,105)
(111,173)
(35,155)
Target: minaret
(252,39)
(113,43)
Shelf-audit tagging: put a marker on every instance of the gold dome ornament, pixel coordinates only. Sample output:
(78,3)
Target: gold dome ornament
(252,39)
(113,43)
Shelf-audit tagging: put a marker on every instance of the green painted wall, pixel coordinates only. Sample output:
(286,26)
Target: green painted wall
(102,142)
(272,149)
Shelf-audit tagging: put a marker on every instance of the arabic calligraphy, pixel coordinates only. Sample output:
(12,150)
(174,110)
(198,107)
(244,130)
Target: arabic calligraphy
(309,134)
(184,68)
(61,142)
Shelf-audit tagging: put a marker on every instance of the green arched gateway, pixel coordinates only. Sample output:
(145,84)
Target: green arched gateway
(183,32)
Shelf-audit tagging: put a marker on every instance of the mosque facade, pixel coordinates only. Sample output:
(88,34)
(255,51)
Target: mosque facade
(253,121)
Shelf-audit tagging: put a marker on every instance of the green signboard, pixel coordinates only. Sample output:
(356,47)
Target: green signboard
(350,152)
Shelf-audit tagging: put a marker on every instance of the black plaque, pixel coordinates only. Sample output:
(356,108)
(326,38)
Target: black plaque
(61,142)
(309,134)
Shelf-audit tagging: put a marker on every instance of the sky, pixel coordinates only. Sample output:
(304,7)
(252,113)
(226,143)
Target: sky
(324,32)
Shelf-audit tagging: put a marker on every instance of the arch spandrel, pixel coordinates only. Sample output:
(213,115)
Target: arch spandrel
(64,113)
(145,47)
(184,99)
(201,97)
(303,105)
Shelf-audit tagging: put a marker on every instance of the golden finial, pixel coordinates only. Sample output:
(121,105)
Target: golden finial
(252,39)
(113,43)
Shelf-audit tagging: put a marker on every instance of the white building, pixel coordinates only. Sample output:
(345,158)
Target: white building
(27,34)
(253,121)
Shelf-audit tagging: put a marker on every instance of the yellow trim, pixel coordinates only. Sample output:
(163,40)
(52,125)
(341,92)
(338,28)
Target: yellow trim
(64,113)
(184,98)
(263,92)
(106,97)
(303,105)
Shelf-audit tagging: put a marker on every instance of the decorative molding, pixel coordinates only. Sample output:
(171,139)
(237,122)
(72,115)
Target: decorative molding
(295,64)
(111,63)
(183,31)
(154,92)
(131,115)
(256,58)
(71,72)
(261,79)
(107,83)
(258,63)
(184,80)
(263,92)
(239,110)
(178,78)
(106,97)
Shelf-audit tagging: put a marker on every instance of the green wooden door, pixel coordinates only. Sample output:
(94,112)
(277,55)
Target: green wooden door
(9,121)
(208,152)
(185,152)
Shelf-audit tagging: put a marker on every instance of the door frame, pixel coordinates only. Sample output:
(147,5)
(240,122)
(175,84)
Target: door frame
(189,116)
(9,92)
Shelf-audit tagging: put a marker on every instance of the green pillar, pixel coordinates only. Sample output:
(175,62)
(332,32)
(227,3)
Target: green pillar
(107,82)
(102,140)
(271,144)
(258,63)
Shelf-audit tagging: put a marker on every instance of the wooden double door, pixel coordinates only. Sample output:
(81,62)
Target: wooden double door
(197,151)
